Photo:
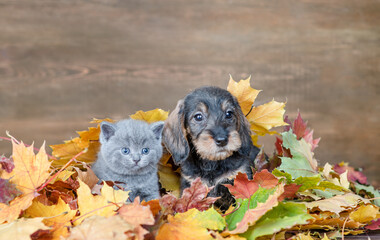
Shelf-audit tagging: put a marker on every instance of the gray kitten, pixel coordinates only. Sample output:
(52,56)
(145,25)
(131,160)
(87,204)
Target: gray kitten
(129,153)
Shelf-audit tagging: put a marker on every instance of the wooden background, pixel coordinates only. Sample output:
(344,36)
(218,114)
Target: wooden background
(64,62)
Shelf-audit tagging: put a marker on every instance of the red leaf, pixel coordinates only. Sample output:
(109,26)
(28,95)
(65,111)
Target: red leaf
(193,197)
(8,191)
(375,225)
(242,188)
(352,175)
(265,179)
(7,164)
(59,189)
(290,191)
(299,126)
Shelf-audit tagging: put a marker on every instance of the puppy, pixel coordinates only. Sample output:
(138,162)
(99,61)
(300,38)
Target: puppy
(209,137)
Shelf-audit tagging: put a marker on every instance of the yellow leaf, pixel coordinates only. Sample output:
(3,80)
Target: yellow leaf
(169,179)
(21,229)
(267,116)
(90,205)
(55,215)
(151,116)
(101,228)
(30,172)
(302,236)
(244,93)
(87,141)
(365,213)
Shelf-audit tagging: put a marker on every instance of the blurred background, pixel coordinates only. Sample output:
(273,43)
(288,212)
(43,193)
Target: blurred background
(63,63)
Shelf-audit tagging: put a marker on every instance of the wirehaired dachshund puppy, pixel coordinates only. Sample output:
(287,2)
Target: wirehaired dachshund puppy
(209,137)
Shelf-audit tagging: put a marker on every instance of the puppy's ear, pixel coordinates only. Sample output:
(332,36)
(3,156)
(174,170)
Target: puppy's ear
(174,134)
(244,132)
(107,131)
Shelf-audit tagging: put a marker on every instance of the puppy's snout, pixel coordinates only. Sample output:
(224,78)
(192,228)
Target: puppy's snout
(221,141)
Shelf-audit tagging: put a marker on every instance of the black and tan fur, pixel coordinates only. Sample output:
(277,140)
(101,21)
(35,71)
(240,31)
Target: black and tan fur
(209,137)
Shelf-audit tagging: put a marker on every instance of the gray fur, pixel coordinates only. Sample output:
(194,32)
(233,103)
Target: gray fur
(112,165)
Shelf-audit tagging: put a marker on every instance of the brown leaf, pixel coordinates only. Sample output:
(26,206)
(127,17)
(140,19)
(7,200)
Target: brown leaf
(193,197)
(87,177)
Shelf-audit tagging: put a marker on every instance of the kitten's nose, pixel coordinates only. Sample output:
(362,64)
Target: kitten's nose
(136,160)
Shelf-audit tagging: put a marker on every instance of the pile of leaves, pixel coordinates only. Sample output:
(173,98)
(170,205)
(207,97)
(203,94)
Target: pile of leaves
(289,197)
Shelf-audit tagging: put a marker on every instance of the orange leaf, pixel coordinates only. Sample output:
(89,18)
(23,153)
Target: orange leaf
(151,116)
(29,173)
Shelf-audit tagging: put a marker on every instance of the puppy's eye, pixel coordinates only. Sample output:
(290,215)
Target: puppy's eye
(145,151)
(198,117)
(229,114)
(125,151)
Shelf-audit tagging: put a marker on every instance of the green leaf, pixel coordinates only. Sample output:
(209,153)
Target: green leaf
(302,163)
(261,195)
(285,215)
(370,190)
(287,176)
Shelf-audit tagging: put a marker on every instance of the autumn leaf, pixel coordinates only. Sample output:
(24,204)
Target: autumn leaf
(252,215)
(21,229)
(374,225)
(370,190)
(337,204)
(353,175)
(56,216)
(193,197)
(302,162)
(103,205)
(87,177)
(137,215)
(242,188)
(244,93)
(87,142)
(101,228)
(264,117)
(192,224)
(283,216)
(169,179)
(6,163)
(8,191)
(29,173)
(365,214)
(151,116)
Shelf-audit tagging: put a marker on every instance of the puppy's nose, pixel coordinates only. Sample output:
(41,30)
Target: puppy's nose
(221,141)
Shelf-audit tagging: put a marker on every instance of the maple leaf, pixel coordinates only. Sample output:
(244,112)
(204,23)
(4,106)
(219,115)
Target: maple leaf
(29,173)
(6,163)
(101,228)
(56,216)
(266,116)
(365,214)
(169,179)
(338,203)
(59,189)
(375,225)
(244,93)
(302,162)
(242,188)
(192,224)
(87,142)
(353,175)
(21,228)
(137,215)
(374,193)
(8,191)
(103,205)
(151,116)
(87,177)
(154,206)
(193,197)
(283,216)
(252,215)
(300,129)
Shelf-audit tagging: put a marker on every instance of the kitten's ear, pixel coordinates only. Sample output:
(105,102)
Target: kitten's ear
(157,128)
(174,134)
(107,131)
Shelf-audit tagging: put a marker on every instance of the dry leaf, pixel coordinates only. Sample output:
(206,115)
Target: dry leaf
(21,229)
(29,173)
(151,116)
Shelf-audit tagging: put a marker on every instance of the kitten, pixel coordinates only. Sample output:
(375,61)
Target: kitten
(129,153)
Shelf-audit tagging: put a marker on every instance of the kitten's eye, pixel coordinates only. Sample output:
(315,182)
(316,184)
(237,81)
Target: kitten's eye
(198,117)
(125,151)
(229,114)
(145,151)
